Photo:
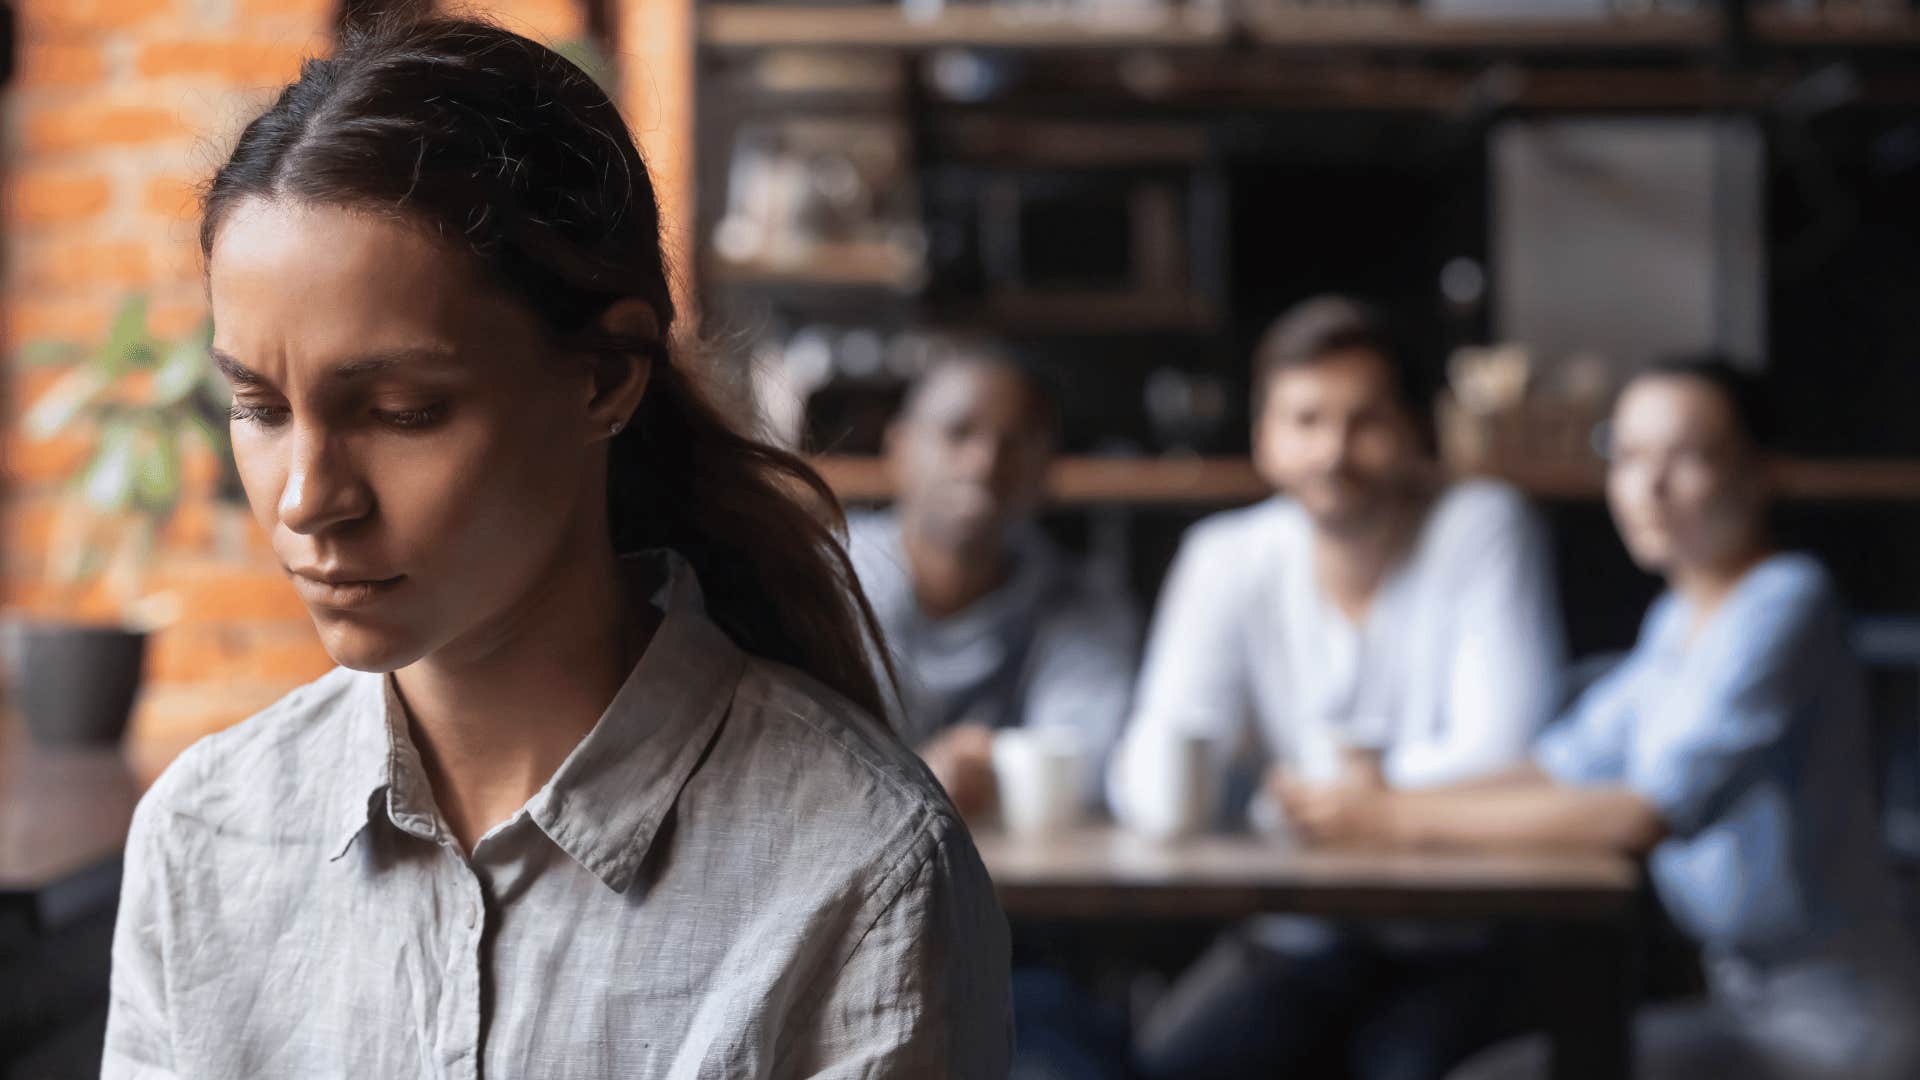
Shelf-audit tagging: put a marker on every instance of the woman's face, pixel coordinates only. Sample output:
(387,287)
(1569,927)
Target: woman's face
(420,458)
(1684,482)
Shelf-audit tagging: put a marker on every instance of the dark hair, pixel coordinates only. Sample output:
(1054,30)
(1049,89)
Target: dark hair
(1743,391)
(1318,327)
(968,352)
(507,151)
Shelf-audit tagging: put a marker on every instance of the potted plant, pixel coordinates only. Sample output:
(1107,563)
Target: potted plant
(143,402)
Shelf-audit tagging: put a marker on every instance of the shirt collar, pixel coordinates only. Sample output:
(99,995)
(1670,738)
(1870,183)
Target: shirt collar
(606,802)
(367,767)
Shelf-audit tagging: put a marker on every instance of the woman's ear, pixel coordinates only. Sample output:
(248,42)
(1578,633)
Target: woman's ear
(620,376)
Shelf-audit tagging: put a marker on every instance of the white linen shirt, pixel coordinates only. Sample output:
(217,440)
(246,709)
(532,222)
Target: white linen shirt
(1450,675)
(736,873)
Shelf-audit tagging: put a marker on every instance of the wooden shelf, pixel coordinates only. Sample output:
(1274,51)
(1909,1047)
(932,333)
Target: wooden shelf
(978,24)
(885,26)
(1084,480)
(1892,481)
(1406,28)
(842,266)
(1220,481)
(1859,29)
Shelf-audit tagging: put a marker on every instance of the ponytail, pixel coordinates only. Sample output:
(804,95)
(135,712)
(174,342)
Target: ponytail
(776,576)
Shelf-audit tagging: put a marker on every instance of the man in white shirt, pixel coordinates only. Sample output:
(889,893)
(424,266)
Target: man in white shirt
(1376,624)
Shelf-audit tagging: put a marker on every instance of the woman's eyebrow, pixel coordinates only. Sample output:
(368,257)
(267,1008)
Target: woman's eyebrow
(236,372)
(376,363)
(358,368)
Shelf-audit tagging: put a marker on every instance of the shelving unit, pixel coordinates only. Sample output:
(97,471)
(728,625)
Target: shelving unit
(886,26)
(975,24)
(981,25)
(843,266)
(1018,133)
(1411,60)
(1858,30)
(1222,481)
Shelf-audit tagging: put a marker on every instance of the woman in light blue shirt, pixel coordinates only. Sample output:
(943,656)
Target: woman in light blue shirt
(1730,747)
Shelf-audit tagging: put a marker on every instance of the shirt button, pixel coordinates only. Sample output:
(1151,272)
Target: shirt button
(473,914)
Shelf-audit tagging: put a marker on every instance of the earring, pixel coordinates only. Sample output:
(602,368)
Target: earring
(617,426)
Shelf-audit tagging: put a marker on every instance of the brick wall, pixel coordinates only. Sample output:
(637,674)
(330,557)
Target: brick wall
(120,108)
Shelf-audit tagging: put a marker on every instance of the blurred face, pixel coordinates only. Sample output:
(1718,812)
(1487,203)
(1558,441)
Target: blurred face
(417,456)
(969,458)
(1684,483)
(1334,435)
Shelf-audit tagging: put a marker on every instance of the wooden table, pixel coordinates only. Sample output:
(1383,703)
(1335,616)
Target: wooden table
(64,814)
(1101,873)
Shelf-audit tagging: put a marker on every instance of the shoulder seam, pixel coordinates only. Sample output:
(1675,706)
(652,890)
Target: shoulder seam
(760,696)
(905,869)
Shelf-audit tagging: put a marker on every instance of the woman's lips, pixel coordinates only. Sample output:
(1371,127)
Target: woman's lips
(344,594)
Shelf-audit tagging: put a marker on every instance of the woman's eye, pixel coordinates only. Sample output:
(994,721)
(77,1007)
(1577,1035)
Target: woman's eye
(264,415)
(411,419)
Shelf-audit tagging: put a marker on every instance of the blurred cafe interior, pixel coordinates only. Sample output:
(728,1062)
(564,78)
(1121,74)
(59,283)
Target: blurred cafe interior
(1395,520)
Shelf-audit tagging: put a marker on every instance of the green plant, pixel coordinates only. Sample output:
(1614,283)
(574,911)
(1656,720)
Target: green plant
(144,402)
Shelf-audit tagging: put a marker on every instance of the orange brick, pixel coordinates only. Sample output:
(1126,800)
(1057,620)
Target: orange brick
(69,264)
(291,661)
(31,319)
(28,383)
(191,526)
(133,388)
(183,654)
(198,470)
(173,196)
(47,63)
(94,124)
(173,712)
(148,755)
(43,196)
(217,593)
(174,320)
(316,12)
(90,602)
(542,20)
(272,654)
(238,61)
(37,461)
(30,525)
(41,17)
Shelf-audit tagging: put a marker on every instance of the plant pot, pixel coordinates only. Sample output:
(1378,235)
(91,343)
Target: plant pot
(74,684)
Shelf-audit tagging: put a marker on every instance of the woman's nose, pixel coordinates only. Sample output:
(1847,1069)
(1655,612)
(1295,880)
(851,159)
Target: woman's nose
(322,488)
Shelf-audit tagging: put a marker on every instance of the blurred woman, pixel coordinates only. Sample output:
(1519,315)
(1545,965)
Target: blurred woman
(1730,747)
(598,789)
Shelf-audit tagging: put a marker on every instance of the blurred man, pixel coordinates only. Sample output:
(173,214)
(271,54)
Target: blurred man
(990,624)
(1374,626)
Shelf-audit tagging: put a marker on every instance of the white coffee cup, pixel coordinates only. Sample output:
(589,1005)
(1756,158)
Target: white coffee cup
(1041,774)
(1173,785)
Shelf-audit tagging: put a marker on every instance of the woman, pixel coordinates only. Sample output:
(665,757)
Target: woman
(597,790)
(1730,747)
